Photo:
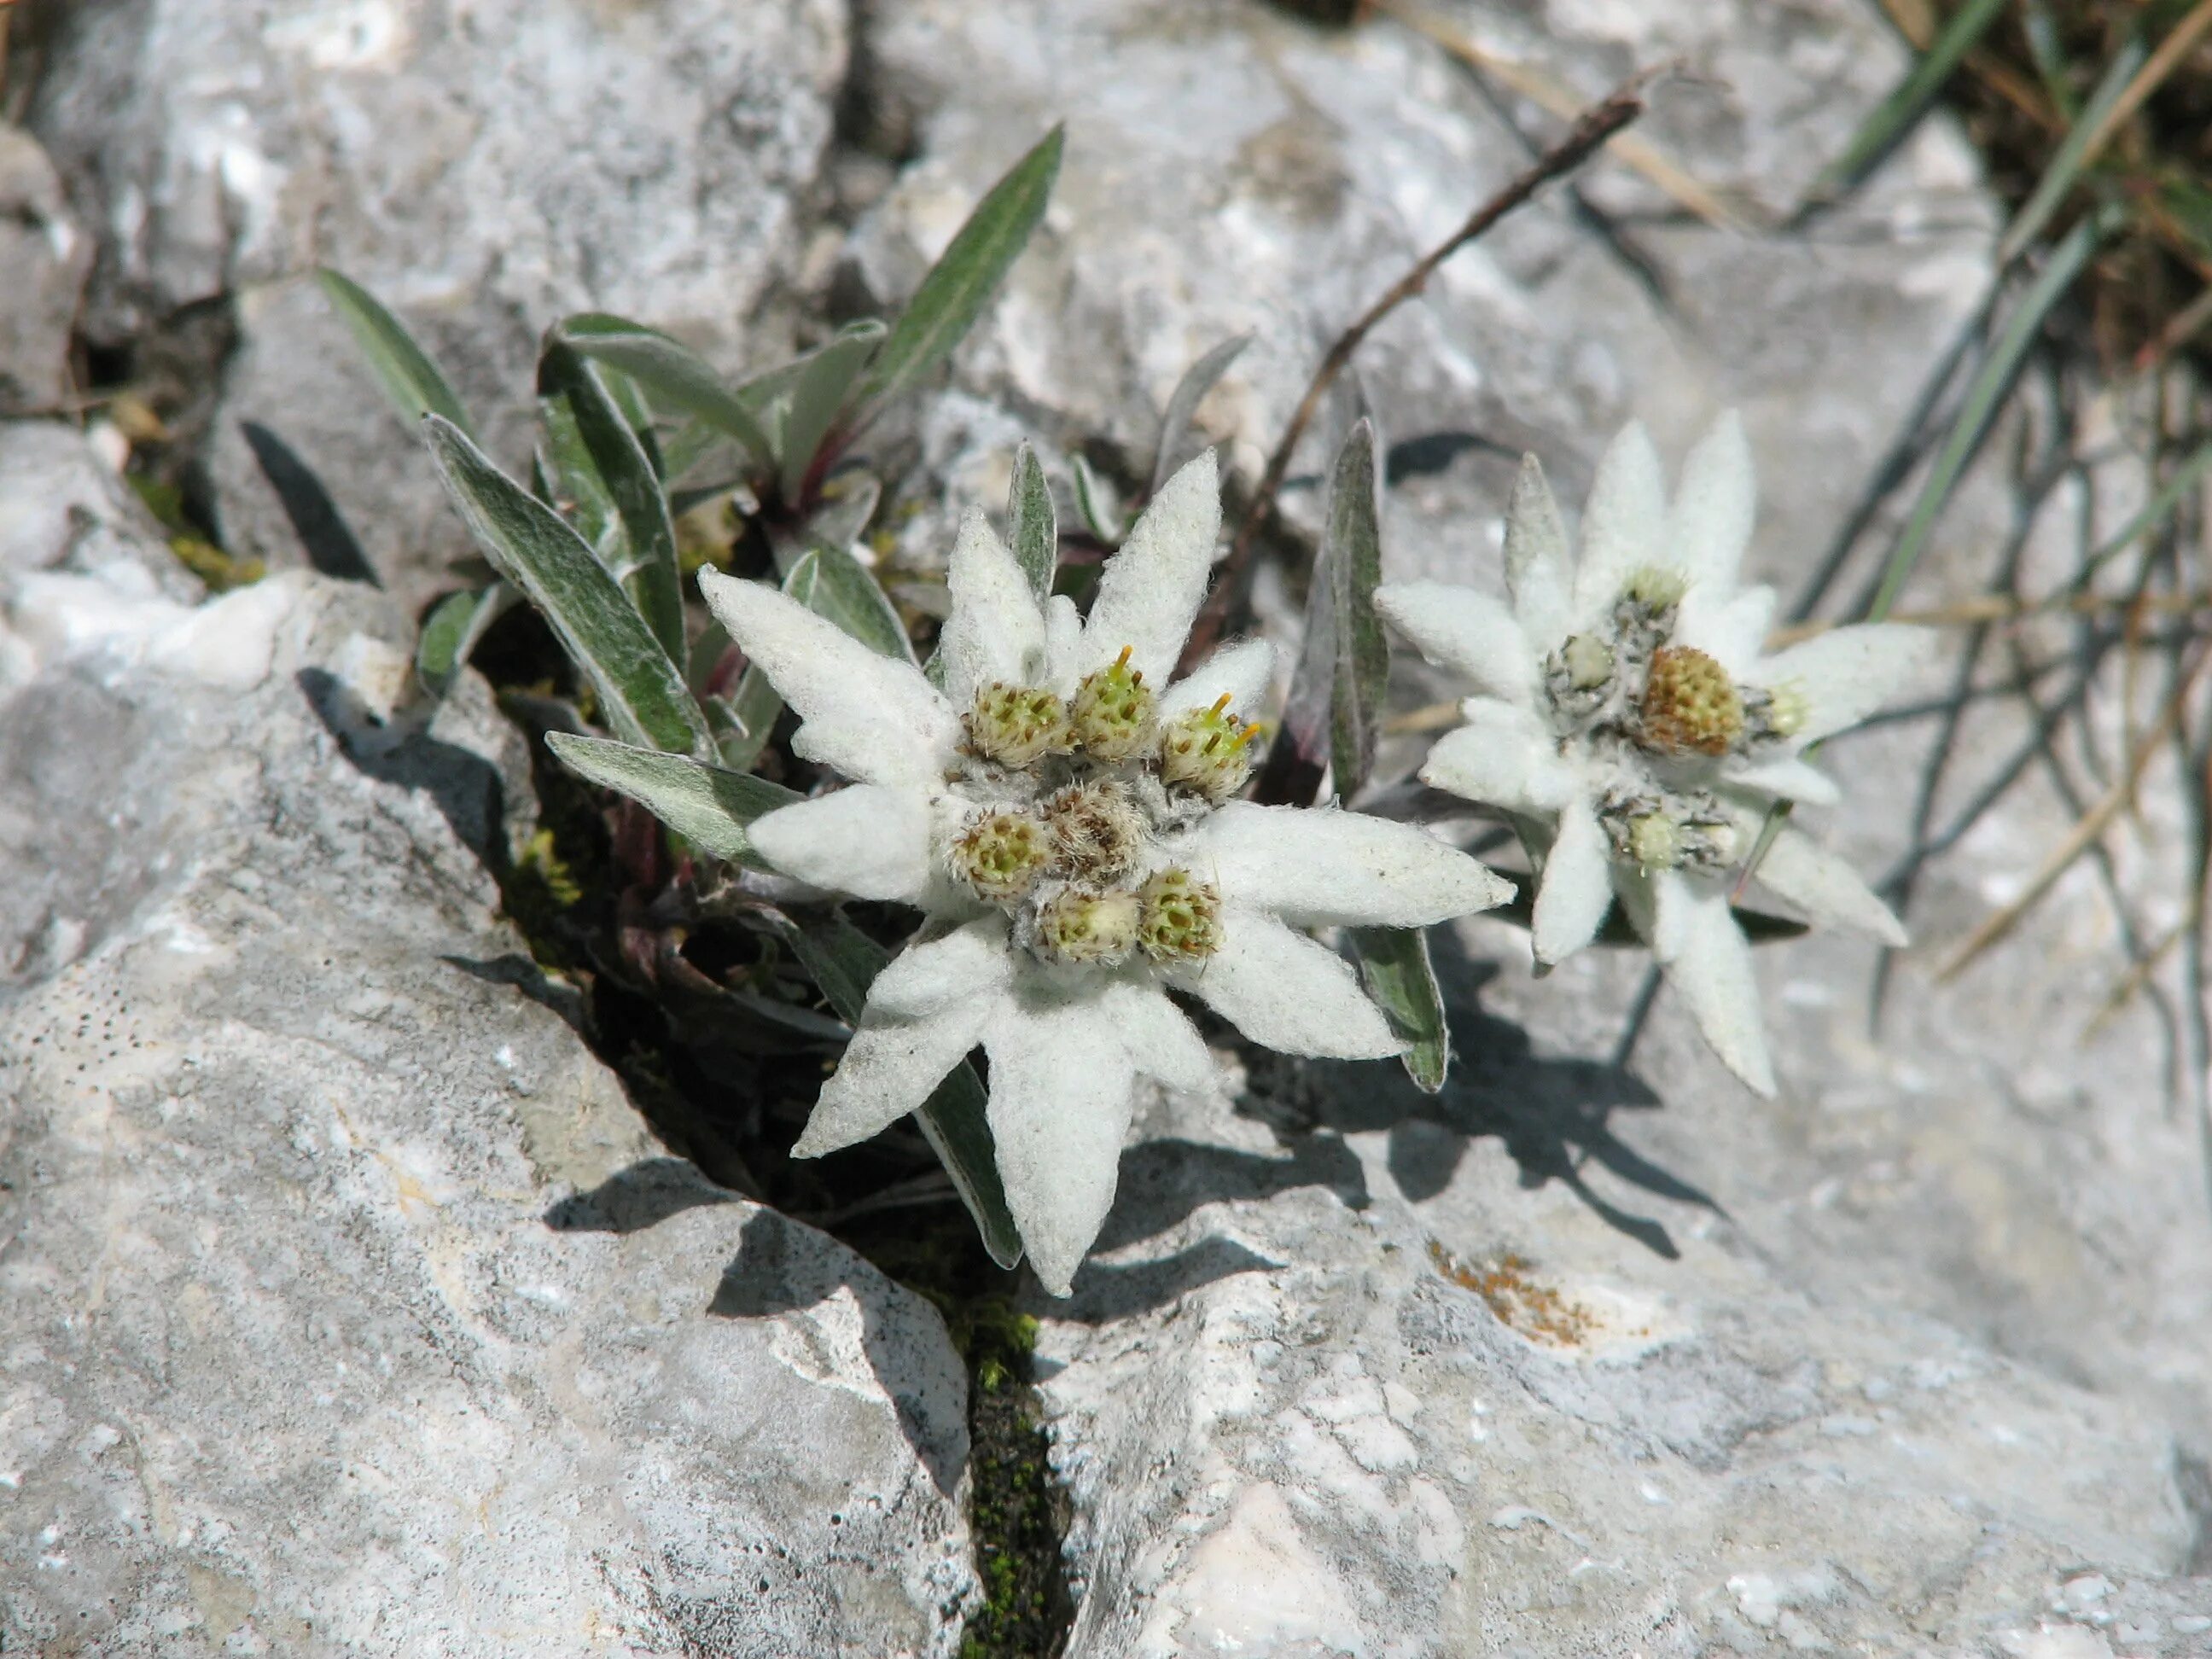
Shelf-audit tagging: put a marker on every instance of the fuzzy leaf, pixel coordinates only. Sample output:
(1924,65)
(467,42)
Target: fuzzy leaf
(833,584)
(1034,523)
(844,962)
(410,379)
(1182,404)
(706,805)
(1095,501)
(669,370)
(841,517)
(749,715)
(451,631)
(961,283)
(1394,967)
(596,453)
(819,392)
(642,691)
(1352,550)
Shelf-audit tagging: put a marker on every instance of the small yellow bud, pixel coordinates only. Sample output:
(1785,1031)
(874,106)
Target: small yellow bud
(1096,831)
(1588,660)
(1076,926)
(1017,726)
(1654,587)
(1690,704)
(1182,918)
(1208,751)
(1111,716)
(1787,710)
(1655,841)
(1003,855)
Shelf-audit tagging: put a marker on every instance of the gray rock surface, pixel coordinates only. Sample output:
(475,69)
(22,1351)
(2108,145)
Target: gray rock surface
(483,169)
(45,256)
(345,1304)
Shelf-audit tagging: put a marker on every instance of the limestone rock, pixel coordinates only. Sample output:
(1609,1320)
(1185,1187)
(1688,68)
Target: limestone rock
(43,259)
(345,1304)
(484,170)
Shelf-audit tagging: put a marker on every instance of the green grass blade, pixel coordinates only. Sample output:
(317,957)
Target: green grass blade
(844,962)
(836,587)
(670,371)
(1394,967)
(2065,169)
(961,283)
(404,370)
(601,454)
(1900,112)
(1035,522)
(451,631)
(817,395)
(707,806)
(1351,555)
(643,693)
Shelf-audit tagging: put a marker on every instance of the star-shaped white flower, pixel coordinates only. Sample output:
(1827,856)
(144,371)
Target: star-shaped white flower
(1064,817)
(1629,723)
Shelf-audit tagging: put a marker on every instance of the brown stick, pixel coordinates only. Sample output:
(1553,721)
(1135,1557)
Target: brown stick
(1591,130)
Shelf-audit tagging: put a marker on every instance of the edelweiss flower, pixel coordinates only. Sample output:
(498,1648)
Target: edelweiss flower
(1631,725)
(1064,817)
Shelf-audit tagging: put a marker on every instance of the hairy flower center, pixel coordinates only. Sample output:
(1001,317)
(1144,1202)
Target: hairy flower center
(1111,716)
(1691,706)
(1668,832)
(1076,926)
(1097,832)
(1208,751)
(1017,726)
(1182,920)
(1004,855)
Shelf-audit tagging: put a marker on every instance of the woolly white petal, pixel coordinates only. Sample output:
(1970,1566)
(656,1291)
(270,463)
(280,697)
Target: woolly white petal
(1162,1042)
(1466,631)
(1504,756)
(1622,523)
(1538,569)
(1245,671)
(873,718)
(1577,885)
(1847,673)
(869,841)
(1709,526)
(1708,961)
(996,631)
(1826,888)
(1063,644)
(1315,868)
(1731,628)
(1793,779)
(969,962)
(1282,990)
(889,1068)
(1062,1091)
(1151,588)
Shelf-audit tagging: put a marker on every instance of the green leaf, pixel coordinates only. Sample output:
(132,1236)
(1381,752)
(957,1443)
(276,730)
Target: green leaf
(749,715)
(2064,169)
(410,379)
(641,691)
(1394,967)
(1034,521)
(833,585)
(844,962)
(670,371)
(1095,501)
(817,395)
(451,631)
(961,283)
(706,805)
(1190,391)
(598,453)
(845,508)
(1352,553)
(1900,112)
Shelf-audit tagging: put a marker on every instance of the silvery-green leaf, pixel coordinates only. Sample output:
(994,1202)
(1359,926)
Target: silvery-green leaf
(596,454)
(641,691)
(566,477)
(749,715)
(1182,404)
(670,371)
(833,584)
(1395,967)
(960,284)
(404,370)
(706,805)
(844,963)
(688,445)
(825,376)
(1094,500)
(846,506)
(1035,522)
(451,631)
(1352,552)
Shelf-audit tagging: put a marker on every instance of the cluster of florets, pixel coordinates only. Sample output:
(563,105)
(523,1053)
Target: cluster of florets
(1664,713)
(1080,792)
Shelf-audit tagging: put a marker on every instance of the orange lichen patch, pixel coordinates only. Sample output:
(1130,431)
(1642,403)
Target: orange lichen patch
(1520,1301)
